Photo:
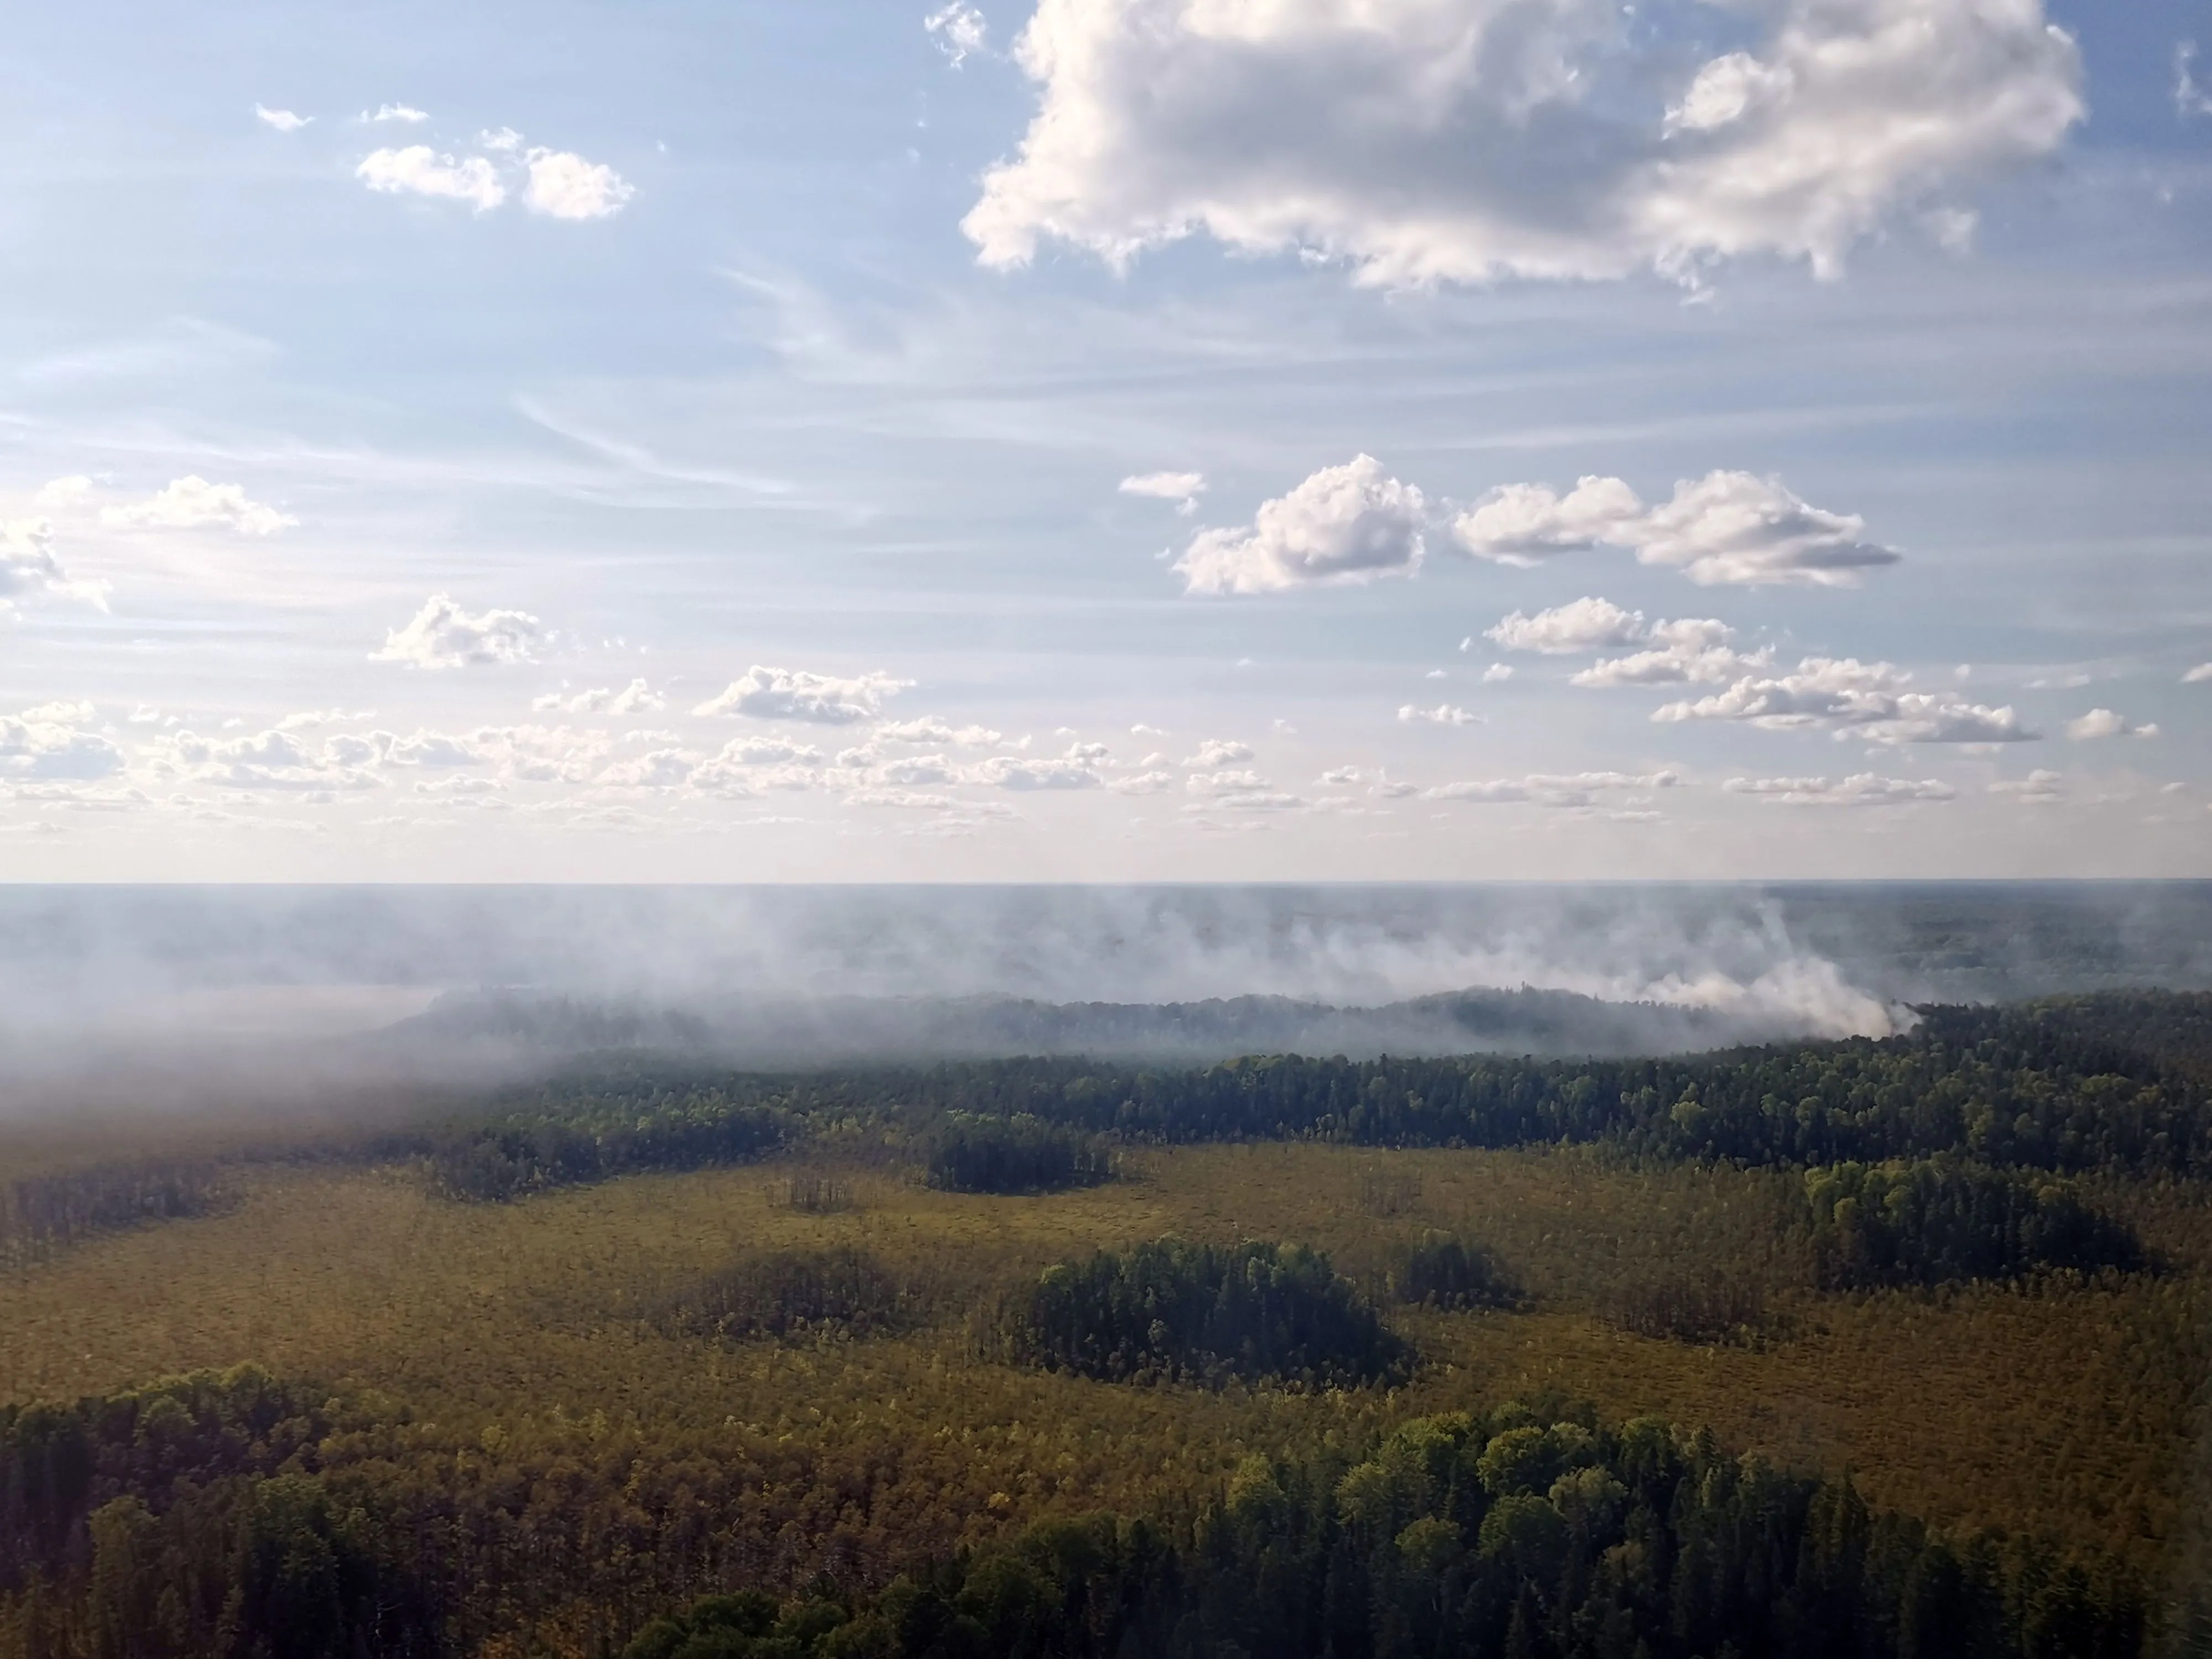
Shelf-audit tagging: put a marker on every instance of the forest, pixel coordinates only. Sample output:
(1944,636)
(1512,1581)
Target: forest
(1865,1348)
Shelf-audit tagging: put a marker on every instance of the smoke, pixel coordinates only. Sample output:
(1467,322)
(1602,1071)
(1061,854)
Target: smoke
(282,989)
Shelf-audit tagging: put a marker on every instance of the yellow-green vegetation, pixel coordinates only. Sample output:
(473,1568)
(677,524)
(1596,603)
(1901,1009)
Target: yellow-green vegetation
(2061,1407)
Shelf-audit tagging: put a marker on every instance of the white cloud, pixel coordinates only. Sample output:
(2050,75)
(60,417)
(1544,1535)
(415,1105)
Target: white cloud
(917,768)
(1864,700)
(1228,781)
(1497,674)
(1726,528)
(1183,489)
(422,171)
(1142,783)
(1076,770)
(1860,789)
(1464,140)
(1737,528)
(1572,789)
(1691,651)
(1444,714)
(564,186)
(270,760)
(930,730)
(2105,723)
(2189,98)
(1251,800)
(45,744)
(2037,787)
(636,698)
(769,752)
(192,503)
(29,567)
(443,635)
(2198,675)
(282,120)
(907,798)
(793,693)
(958,29)
(1584,624)
(1525,524)
(661,768)
(1218,752)
(1686,650)
(399,113)
(1345,524)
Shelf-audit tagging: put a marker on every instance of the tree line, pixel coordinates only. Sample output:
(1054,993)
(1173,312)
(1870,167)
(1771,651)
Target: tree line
(1171,1311)
(233,1514)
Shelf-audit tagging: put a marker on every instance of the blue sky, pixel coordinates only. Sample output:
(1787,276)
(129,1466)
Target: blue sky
(766,442)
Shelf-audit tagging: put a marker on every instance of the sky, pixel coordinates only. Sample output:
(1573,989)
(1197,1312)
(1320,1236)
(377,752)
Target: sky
(1106,440)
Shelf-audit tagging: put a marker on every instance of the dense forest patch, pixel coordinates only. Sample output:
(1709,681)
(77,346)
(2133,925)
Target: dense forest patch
(234,1513)
(840,1291)
(1018,1154)
(1469,1533)
(1443,1270)
(1700,1309)
(1171,1311)
(42,1213)
(1938,1221)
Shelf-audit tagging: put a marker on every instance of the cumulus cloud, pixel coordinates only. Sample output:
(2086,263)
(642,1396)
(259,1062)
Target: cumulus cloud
(443,635)
(2037,788)
(418,170)
(1497,674)
(1444,714)
(1864,700)
(1421,141)
(1725,528)
(1183,489)
(1734,527)
(274,760)
(1345,524)
(958,29)
(282,120)
(564,186)
(399,113)
(1525,524)
(2198,675)
(1076,770)
(192,503)
(793,693)
(1142,783)
(1570,789)
(636,698)
(1692,650)
(29,567)
(45,744)
(1580,625)
(930,730)
(1860,789)
(2105,723)
(1214,752)
(2189,98)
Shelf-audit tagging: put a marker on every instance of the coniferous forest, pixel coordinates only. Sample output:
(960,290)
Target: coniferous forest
(1854,1348)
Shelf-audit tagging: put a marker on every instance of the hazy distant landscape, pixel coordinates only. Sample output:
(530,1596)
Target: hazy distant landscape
(682,1278)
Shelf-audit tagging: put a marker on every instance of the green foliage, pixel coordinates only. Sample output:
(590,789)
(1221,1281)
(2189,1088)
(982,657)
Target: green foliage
(1941,1221)
(41,1213)
(1018,1154)
(598,1138)
(1171,1311)
(1487,1535)
(789,1293)
(1444,1271)
(1699,1308)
